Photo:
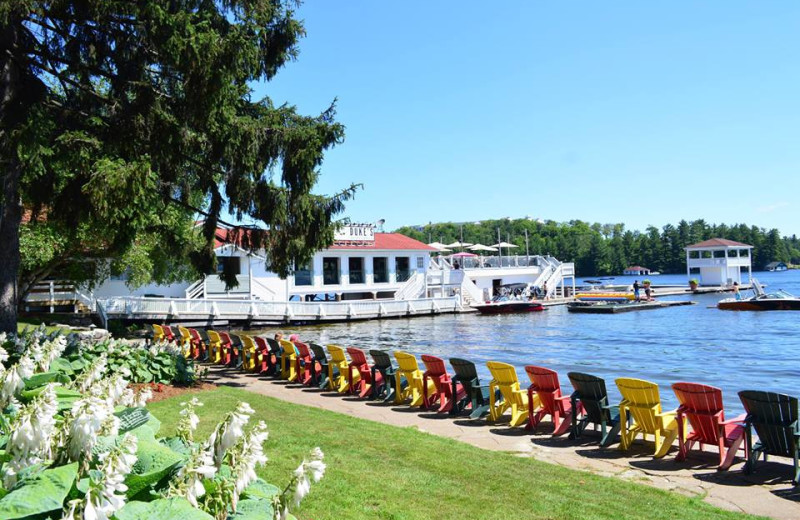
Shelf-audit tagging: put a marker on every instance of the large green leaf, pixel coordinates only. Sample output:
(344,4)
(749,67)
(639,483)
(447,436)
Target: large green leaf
(130,418)
(154,462)
(65,396)
(260,489)
(176,508)
(42,379)
(252,509)
(41,495)
(62,365)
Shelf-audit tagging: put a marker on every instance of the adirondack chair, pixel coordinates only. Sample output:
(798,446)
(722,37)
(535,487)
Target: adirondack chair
(359,378)
(476,396)
(149,333)
(591,395)
(269,359)
(319,372)
(702,406)
(185,341)
(237,351)
(514,398)
(304,363)
(158,333)
(288,360)
(415,389)
(544,383)
(774,417)
(249,353)
(215,346)
(640,412)
(382,374)
(226,348)
(198,345)
(446,391)
(169,334)
(337,369)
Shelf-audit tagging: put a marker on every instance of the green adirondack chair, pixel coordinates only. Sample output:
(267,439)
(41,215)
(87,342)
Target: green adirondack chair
(775,419)
(383,386)
(477,395)
(319,373)
(591,392)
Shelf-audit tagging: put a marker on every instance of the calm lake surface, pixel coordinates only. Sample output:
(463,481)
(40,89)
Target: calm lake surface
(727,349)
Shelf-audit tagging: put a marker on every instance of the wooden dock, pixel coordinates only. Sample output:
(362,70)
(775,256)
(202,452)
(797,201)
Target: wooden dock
(615,308)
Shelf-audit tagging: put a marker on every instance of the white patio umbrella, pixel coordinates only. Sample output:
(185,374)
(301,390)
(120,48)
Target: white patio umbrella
(501,245)
(438,246)
(458,244)
(481,247)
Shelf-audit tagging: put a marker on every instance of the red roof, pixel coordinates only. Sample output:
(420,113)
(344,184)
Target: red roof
(383,241)
(636,268)
(717,242)
(391,241)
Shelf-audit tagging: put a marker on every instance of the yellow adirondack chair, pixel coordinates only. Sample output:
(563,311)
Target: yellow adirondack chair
(642,403)
(158,334)
(288,361)
(214,346)
(249,353)
(504,378)
(408,368)
(337,369)
(185,342)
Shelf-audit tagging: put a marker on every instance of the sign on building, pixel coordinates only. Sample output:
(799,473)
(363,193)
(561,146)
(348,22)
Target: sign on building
(356,233)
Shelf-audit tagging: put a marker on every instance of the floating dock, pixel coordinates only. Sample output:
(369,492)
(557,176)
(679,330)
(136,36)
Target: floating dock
(615,308)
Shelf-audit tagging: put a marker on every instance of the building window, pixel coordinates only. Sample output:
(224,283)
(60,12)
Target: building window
(694,270)
(402,268)
(705,254)
(694,254)
(744,252)
(380,269)
(229,264)
(420,262)
(732,253)
(304,275)
(330,270)
(356,267)
(719,253)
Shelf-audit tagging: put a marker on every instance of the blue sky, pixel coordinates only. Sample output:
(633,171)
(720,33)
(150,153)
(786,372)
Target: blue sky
(631,112)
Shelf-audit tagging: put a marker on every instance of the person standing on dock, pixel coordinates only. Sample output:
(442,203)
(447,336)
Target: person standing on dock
(636,290)
(736,291)
(544,291)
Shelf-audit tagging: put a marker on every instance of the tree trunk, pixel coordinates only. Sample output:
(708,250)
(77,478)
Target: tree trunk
(9,250)
(12,111)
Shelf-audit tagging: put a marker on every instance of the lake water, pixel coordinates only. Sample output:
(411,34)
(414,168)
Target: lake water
(731,350)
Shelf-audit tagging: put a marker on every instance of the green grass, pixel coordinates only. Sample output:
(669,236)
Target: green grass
(34,323)
(381,471)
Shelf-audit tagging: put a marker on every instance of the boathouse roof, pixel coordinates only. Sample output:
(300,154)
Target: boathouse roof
(636,268)
(388,241)
(717,242)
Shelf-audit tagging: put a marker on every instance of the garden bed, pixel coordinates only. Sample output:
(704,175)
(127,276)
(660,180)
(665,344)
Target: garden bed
(161,392)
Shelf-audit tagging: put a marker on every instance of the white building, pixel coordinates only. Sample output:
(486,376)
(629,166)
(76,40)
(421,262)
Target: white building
(719,261)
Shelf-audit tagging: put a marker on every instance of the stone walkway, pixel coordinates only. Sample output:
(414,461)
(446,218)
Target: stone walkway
(767,492)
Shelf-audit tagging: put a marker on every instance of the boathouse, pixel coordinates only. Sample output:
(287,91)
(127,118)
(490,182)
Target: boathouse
(776,266)
(636,270)
(719,261)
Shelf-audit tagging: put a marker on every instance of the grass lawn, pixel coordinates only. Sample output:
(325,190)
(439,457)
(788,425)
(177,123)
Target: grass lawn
(34,323)
(380,471)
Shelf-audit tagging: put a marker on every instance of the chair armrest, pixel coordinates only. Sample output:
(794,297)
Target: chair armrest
(736,420)
(665,414)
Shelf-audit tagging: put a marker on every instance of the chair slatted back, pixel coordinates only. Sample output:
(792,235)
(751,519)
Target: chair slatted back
(319,352)
(381,359)
(503,374)
(261,344)
(465,371)
(274,346)
(775,419)
(545,383)
(337,354)
(303,350)
(434,366)
(226,338)
(214,336)
(643,401)
(357,356)
(701,404)
(592,393)
(288,346)
(406,362)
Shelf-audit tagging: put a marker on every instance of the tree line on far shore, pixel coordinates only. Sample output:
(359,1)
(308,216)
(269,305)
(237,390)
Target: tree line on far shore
(606,249)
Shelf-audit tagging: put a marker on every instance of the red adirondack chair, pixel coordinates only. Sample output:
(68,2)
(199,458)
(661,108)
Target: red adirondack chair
(702,406)
(545,383)
(227,347)
(198,345)
(304,362)
(264,355)
(169,334)
(358,361)
(436,371)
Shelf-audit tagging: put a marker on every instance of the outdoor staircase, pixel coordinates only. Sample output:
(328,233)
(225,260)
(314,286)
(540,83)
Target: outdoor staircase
(412,289)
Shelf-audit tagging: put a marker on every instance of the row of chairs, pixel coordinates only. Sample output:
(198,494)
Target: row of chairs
(773,417)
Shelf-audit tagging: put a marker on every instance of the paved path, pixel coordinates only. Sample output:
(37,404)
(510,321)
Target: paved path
(767,492)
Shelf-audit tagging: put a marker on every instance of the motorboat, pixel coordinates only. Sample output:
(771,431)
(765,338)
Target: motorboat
(779,300)
(506,305)
(511,298)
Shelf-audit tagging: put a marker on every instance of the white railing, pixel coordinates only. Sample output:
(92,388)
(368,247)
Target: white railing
(469,292)
(101,311)
(130,307)
(52,293)
(411,288)
(215,286)
(261,291)
(197,289)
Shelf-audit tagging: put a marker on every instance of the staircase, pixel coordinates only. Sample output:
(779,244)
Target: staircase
(412,289)
(470,293)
